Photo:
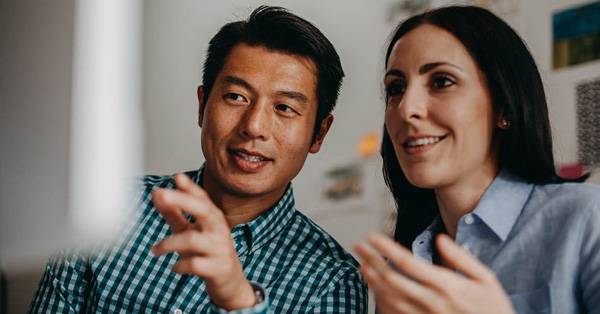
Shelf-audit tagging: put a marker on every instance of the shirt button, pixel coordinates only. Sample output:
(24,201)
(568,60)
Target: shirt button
(178,311)
(466,247)
(469,219)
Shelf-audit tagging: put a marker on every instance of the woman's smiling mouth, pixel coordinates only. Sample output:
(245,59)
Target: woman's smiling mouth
(419,144)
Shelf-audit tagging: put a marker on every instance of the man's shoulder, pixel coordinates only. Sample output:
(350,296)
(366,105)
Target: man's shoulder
(162,181)
(150,182)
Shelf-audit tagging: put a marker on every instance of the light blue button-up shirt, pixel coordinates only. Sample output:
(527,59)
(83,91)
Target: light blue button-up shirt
(541,241)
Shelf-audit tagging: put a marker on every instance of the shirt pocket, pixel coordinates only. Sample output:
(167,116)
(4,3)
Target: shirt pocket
(535,301)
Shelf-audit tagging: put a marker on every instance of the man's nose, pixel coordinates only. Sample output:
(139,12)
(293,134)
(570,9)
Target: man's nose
(256,122)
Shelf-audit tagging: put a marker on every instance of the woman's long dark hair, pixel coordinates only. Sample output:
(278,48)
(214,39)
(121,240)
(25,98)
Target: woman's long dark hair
(515,86)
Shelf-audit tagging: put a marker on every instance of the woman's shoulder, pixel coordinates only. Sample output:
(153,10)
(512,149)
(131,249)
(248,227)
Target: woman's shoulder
(569,198)
(585,192)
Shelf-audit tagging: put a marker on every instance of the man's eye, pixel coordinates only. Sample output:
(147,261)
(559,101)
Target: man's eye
(442,81)
(235,97)
(284,108)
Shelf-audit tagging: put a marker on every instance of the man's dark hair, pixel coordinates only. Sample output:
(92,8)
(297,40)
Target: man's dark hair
(517,92)
(277,29)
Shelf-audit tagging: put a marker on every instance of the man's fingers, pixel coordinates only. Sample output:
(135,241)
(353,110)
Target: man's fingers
(459,259)
(406,262)
(184,183)
(168,201)
(190,242)
(194,265)
(173,216)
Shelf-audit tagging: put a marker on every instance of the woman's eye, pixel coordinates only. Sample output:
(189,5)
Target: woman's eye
(394,89)
(439,82)
(284,108)
(235,97)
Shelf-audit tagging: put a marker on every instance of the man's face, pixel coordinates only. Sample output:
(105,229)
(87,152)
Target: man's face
(258,121)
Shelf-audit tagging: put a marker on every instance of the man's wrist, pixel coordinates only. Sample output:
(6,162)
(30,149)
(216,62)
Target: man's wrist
(245,297)
(261,305)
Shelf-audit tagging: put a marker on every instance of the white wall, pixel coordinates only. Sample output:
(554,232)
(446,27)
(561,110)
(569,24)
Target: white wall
(535,26)
(35,92)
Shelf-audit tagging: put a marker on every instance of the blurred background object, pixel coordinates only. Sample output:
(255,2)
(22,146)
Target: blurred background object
(174,38)
(70,131)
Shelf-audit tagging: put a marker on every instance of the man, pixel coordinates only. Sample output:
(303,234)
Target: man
(227,237)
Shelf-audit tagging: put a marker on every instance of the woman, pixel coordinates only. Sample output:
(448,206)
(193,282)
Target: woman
(467,154)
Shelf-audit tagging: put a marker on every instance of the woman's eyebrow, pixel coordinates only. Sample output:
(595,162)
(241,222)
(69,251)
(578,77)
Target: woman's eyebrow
(430,66)
(394,72)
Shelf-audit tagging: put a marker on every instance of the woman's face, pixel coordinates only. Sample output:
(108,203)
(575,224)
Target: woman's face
(439,113)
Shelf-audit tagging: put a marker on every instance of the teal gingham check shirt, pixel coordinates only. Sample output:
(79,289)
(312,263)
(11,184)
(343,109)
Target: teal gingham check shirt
(298,266)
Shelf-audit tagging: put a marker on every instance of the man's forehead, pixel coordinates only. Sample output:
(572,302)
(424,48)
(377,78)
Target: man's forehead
(242,55)
(261,67)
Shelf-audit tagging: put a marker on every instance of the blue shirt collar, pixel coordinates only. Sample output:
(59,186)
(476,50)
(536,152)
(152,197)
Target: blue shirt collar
(499,208)
(502,203)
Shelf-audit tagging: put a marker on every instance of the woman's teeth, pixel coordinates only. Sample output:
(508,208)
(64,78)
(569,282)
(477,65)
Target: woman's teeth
(423,141)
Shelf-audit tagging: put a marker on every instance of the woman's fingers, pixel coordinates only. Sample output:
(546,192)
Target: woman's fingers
(461,260)
(387,283)
(406,262)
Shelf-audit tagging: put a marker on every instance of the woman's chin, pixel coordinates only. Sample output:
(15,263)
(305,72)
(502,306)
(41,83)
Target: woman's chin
(424,179)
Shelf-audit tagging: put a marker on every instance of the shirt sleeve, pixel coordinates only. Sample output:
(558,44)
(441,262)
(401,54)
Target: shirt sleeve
(63,286)
(346,295)
(589,274)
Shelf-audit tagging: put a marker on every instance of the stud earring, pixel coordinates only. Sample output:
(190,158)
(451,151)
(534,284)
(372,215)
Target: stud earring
(504,124)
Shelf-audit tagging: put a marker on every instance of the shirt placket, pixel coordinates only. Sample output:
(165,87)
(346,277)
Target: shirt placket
(465,233)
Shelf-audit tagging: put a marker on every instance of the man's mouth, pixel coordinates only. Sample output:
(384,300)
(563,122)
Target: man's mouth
(249,155)
(249,161)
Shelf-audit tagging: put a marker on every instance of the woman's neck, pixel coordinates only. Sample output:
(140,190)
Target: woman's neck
(462,196)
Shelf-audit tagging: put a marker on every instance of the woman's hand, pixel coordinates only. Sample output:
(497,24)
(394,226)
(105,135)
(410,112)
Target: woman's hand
(416,286)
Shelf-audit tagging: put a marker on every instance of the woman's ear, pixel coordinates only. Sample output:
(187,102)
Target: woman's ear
(503,122)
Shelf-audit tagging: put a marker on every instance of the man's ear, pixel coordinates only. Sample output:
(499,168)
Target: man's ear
(201,104)
(325,125)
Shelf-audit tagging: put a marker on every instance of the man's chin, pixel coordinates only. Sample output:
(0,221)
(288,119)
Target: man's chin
(249,189)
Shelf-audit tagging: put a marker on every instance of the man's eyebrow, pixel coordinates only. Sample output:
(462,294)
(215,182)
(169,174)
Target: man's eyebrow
(297,96)
(430,66)
(237,81)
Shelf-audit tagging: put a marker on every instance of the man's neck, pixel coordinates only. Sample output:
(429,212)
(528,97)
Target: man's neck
(239,208)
